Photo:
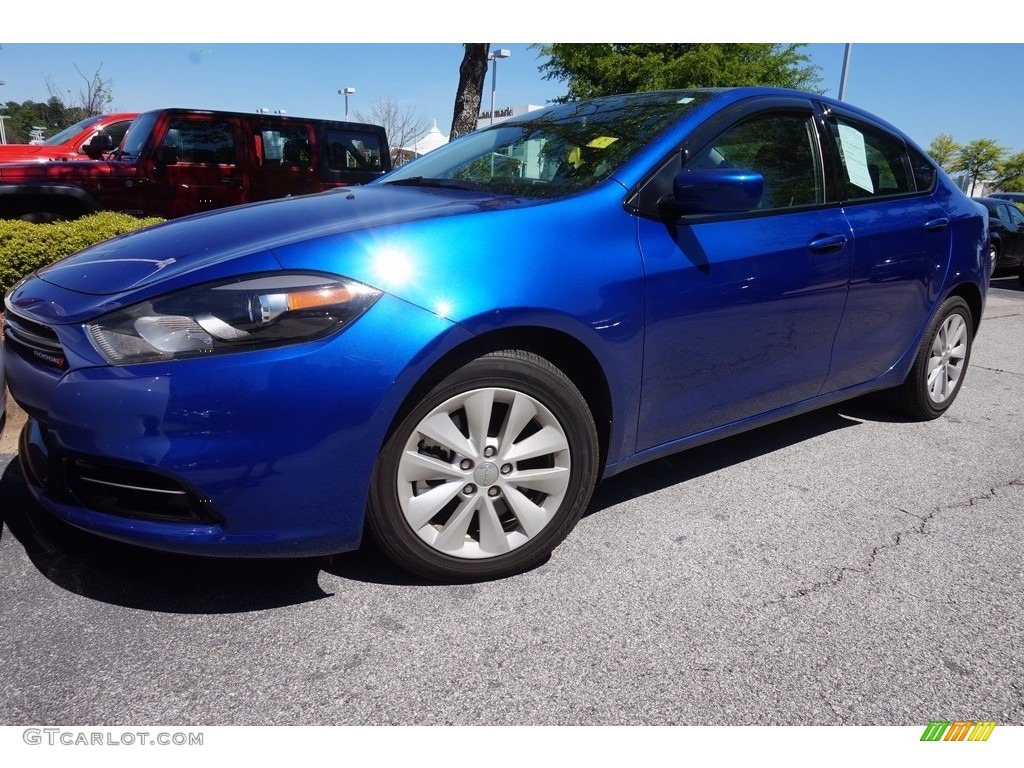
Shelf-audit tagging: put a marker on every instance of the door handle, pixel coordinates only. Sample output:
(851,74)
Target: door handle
(827,243)
(936,224)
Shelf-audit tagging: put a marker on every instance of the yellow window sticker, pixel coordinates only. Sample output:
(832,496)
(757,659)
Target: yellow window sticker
(603,142)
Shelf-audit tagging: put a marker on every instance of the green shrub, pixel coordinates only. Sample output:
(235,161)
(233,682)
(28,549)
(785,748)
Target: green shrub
(26,247)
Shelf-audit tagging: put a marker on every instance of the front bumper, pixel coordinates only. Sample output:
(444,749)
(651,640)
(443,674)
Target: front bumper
(259,454)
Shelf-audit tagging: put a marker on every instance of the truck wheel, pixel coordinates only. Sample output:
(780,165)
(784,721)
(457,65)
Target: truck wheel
(41,217)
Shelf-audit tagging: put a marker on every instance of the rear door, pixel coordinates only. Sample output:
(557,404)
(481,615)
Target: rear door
(284,159)
(208,171)
(901,247)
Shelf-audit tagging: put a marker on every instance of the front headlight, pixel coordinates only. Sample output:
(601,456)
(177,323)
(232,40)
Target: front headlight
(236,316)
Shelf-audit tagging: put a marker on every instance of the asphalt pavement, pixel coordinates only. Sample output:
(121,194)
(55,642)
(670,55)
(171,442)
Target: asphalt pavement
(842,568)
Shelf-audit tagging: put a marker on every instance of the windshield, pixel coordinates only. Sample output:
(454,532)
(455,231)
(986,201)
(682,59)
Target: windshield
(70,132)
(550,152)
(135,139)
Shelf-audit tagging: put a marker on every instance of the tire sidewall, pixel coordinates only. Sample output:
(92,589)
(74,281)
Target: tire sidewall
(951,306)
(520,372)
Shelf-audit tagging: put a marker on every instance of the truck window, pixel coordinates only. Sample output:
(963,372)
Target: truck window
(202,142)
(282,147)
(353,150)
(134,140)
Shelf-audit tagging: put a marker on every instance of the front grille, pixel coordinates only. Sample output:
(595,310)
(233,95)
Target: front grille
(34,340)
(133,492)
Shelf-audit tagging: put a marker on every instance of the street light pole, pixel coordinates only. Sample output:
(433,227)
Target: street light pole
(346,92)
(846,71)
(497,53)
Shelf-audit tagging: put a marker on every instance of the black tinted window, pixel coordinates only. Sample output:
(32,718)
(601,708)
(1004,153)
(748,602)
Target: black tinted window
(287,146)
(201,141)
(353,151)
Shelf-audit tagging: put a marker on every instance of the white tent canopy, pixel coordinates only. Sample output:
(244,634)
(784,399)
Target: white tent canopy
(432,139)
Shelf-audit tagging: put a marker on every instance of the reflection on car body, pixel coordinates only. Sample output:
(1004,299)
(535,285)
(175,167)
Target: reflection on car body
(452,356)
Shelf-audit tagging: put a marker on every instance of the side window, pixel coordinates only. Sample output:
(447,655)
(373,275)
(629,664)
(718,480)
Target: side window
(874,163)
(1016,217)
(116,131)
(287,147)
(924,171)
(1003,212)
(353,151)
(780,147)
(202,142)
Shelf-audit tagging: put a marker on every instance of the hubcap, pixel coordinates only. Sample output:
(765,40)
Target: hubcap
(946,363)
(483,473)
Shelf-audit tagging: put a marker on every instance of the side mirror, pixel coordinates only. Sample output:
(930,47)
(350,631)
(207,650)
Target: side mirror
(714,190)
(98,145)
(165,155)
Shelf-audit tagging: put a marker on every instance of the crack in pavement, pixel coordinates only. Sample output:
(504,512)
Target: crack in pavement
(840,574)
(997,370)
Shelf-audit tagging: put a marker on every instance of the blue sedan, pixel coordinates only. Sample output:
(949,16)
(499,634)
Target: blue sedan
(451,357)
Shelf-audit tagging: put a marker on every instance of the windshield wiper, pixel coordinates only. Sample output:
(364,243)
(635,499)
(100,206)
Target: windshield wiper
(421,181)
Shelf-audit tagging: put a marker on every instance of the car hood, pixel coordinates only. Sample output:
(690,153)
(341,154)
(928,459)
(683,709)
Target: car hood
(38,170)
(194,243)
(26,153)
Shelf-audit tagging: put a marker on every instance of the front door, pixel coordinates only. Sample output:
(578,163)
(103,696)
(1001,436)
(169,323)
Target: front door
(742,309)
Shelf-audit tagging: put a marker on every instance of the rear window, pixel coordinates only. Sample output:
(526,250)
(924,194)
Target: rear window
(354,151)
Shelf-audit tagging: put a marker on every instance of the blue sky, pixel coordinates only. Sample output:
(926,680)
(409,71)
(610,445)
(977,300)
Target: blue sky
(924,88)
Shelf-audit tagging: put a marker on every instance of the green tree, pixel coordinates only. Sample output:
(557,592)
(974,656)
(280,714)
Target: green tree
(978,158)
(603,69)
(1010,174)
(472,73)
(51,115)
(944,150)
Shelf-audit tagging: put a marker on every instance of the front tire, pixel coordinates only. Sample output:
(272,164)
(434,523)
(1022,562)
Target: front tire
(941,363)
(488,473)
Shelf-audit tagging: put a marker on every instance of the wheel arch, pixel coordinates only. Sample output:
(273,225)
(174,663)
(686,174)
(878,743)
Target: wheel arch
(970,293)
(25,199)
(561,349)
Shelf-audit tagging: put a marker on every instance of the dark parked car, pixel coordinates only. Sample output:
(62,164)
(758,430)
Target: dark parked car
(1013,197)
(1006,236)
(451,357)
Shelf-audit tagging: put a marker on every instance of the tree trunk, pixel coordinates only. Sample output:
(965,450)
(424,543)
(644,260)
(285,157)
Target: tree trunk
(472,74)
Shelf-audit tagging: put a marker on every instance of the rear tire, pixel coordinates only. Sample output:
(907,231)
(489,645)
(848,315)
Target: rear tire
(488,473)
(941,363)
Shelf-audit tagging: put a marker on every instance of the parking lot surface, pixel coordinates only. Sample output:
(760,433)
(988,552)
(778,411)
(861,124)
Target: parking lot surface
(842,568)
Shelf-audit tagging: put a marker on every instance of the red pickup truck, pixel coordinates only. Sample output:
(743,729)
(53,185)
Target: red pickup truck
(173,162)
(77,142)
